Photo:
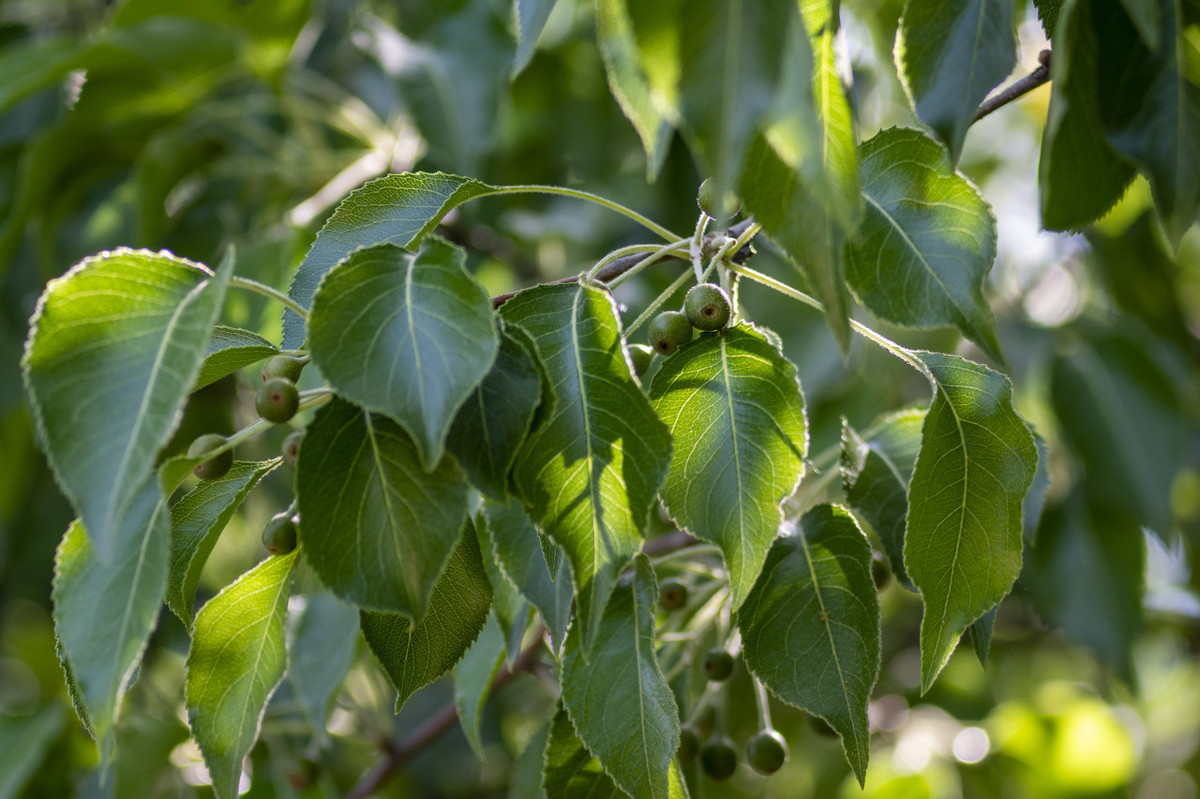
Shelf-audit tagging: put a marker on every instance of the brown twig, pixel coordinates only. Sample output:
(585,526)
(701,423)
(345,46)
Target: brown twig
(1018,89)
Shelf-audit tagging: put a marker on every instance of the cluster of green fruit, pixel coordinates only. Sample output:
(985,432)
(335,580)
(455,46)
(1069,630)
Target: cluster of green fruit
(277,401)
(705,308)
(766,752)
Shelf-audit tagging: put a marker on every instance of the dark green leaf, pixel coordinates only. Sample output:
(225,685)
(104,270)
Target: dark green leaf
(950,56)
(811,626)
(35,63)
(962,546)
(410,336)
(414,655)
(634,746)
(473,679)
(114,348)
(734,408)
(230,349)
(377,528)
(591,468)
(396,209)
(321,648)
(926,242)
(1048,13)
(509,606)
(196,523)
(876,469)
(1146,16)
(980,634)
(236,660)
(531,18)
(495,419)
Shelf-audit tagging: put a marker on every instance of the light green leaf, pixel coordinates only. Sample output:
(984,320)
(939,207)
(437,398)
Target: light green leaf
(196,523)
(531,18)
(876,469)
(114,348)
(473,679)
(635,746)
(1080,176)
(519,552)
(378,528)
(962,546)
(926,242)
(414,655)
(811,628)
(236,660)
(395,209)
(492,423)
(409,336)
(950,55)
(590,469)
(735,411)
(230,349)
(322,645)
(24,742)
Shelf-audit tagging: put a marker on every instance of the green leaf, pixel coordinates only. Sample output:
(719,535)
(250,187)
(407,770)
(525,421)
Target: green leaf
(492,423)
(1080,176)
(1150,109)
(144,744)
(32,63)
(236,660)
(322,646)
(24,742)
(926,242)
(1146,16)
(525,780)
(378,529)
(114,348)
(196,523)
(962,547)
(950,56)
(410,336)
(635,746)
(531,18)
(1048,12)
(414,655)
(509,606)
(811,628)
(735,411)
(590,469)
(876,469)
(1035,500)
(395,209)
(105,610)
(980,635)
(473,679)
(519,552)
(230,349)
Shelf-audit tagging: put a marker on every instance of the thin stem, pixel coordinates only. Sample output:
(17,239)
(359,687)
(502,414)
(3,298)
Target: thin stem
(649,224)
(695,250)
(1017,89)
(665,251)
(268,291)
(764,705)
(308,399)
(632,249)
(675,286)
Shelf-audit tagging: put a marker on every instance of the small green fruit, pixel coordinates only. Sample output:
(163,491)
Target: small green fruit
(218,465)
(642,356)
(880,571)
(672,595)
(706,198)
(689,745)
(707,306)
(718,665)
(718,759)
(279,536)
(277,400)
(282,366)
(668,330)
(291,448)
(767,752)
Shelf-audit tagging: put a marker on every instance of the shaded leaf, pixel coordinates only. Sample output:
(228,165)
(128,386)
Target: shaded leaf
(508,604)
(926,242)
(24,743)
(980,635)
(321,646)
(962,546)
(236,660)
(473,679)
(1035,500)
(811,628)
(590,469)
(525,781)
(531,18)
(230,349)
(377,528)
(736,414)
(409,336)
(414,655)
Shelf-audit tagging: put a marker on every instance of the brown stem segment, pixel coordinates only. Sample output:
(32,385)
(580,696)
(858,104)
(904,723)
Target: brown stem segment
(1018,89)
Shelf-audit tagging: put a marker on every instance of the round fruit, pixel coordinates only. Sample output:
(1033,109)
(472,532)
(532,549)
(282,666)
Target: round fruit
(880,571)
(706,198)
(766,752)
(707,306)
(282,366)
(277,400)
(718,665)
(641,355)
(291,447)
(216,466)
(668,330)
(718,759)
(689,745)
(279,536)
(672,595)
